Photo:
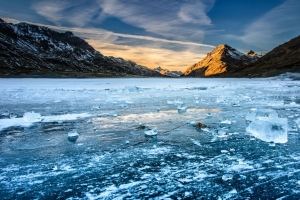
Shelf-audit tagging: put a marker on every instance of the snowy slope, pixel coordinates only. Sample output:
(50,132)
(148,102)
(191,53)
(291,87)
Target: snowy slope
(33,50)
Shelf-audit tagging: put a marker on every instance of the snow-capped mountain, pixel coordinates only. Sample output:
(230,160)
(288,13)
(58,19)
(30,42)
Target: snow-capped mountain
(222,59)
(166,72)
(282,59)
(30,50)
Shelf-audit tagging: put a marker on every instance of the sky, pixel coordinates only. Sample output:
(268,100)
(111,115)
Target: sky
(173,34)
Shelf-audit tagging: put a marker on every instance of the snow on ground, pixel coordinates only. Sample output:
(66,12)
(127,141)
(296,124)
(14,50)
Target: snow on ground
(149,138)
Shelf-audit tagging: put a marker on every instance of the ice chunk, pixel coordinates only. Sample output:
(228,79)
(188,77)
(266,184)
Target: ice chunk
(73,135)
(193,123)
(226,122)
(269,129)
(255,114)
(181,109)
(178,101)
(151,132)
(227,177)
(32,117)
(170,102)
(12,116)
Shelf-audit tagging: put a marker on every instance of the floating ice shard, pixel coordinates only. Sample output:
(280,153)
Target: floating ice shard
(73,135)
(32,117)
(151,132)
(269,128)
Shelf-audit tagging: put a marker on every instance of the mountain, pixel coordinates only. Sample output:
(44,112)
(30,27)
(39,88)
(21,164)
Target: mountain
(166,72)
(282,59)
(30,50)
(221,60)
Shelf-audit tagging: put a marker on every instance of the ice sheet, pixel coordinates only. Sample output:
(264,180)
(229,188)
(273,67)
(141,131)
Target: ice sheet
(112,157)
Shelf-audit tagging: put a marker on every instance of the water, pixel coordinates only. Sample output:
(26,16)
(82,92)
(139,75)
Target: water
(113,159)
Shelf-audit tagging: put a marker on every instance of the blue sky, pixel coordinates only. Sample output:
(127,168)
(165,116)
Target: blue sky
(172,34)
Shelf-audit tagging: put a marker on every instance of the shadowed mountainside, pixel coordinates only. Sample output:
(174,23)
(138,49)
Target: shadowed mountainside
(282,59)
(28,50)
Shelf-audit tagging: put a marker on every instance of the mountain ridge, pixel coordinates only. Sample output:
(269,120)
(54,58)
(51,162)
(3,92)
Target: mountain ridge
(31,50)
(282,59)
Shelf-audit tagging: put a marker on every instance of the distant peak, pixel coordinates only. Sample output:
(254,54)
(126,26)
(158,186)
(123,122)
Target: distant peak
(251,53)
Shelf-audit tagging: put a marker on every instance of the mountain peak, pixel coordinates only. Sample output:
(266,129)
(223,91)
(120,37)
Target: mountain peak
(222,59)
(223,46)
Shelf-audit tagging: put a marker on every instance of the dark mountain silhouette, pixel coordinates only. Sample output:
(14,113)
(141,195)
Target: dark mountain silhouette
(30,50)
(282,59)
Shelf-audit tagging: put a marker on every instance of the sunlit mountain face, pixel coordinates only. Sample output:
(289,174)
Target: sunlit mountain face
(164,33)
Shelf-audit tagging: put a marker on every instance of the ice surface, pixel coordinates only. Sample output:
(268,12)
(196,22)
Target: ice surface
(32,117)
(114,159)
(269,129)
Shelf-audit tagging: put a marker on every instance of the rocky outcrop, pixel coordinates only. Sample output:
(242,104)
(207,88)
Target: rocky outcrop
(221,60)
(30,50)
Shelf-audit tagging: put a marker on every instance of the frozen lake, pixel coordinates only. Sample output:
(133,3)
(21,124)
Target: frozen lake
(150,138)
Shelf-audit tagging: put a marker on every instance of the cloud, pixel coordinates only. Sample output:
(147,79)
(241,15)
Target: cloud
(59,12)
(195,13)
(184,21)
(270,27)
(51,10)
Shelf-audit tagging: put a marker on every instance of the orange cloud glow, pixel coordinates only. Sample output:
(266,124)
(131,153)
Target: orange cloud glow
(149,57)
